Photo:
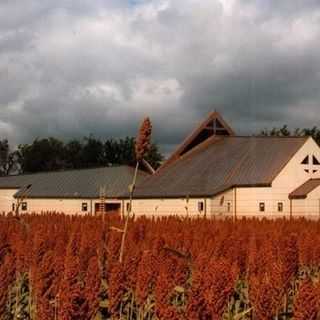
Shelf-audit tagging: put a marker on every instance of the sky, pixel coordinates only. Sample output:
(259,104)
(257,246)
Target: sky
(70,68)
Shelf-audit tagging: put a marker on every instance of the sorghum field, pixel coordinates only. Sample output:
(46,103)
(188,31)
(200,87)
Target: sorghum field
(54,266)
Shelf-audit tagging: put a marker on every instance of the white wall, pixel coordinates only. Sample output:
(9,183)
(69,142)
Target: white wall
(163,207)
(222,205)
(6,200)
(68,206)
(308,207)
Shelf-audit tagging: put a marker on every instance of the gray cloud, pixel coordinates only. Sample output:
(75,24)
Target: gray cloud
(69,68)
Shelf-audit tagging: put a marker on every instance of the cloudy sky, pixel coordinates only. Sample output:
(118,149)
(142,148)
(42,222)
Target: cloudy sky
(69,68)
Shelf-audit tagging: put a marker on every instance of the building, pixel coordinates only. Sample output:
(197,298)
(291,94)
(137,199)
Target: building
(215,173)
(70,192)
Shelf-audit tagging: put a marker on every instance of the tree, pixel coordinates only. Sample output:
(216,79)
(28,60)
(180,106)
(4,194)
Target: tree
(92,152)
(8,159)
(42,155)
(284,131)
(73,154)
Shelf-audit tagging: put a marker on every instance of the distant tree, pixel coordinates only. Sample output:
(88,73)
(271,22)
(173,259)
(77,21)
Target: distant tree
(284,131)
(8,159)
(52,154)
(123,152)
(42,155)
(92,154)
(73,154)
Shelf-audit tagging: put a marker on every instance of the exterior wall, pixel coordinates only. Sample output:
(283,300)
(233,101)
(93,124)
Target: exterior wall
(222,205)
(292,176)
(6,200)
(67,206)
(165,207)
(309,207)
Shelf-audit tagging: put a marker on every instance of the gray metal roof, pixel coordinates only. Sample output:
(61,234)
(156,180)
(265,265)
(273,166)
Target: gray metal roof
(84,183)
(221,163)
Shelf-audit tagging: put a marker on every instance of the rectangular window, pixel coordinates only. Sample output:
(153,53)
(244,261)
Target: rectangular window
(280,206)
(229,207)
(200,206)
(84,206)
(24,206)
(13,207)
(262,207)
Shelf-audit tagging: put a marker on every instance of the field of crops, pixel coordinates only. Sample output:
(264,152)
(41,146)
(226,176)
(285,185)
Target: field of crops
(60,267)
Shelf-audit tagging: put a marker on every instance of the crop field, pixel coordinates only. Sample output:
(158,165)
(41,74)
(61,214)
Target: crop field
(54,266)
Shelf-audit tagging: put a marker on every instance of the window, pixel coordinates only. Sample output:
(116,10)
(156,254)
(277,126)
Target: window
(24,206)
(228,206)
(315,161)
(200,206)
(262,207)
(280,206)
(305,160)
(13,207)
(84,207)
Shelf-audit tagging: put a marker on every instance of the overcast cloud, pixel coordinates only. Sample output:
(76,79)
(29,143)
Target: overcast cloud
(71,68)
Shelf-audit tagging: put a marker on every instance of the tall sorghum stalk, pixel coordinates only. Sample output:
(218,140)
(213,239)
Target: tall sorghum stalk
(142,146)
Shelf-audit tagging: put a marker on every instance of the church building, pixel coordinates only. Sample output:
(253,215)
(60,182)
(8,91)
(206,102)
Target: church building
(213,173)
(216,173)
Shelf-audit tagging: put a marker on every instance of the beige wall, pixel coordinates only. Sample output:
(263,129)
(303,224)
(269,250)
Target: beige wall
(6,200)
(308,207)
(67,206)
(162,207)
(223,205)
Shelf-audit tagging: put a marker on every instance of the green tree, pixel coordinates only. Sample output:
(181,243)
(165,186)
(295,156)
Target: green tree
(73,154)
(42,155)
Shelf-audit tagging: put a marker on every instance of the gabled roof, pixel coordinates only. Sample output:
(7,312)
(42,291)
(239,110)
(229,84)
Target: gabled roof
(213,125)
(302,191)
(84,183)
(221,163)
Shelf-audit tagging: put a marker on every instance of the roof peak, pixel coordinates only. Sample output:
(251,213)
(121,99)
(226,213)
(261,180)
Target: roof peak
(213,126)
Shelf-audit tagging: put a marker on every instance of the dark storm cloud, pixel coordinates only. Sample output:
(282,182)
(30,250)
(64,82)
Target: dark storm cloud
(69,68)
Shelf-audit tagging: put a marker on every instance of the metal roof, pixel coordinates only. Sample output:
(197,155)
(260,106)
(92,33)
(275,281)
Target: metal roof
(221,163)
(84,183)
(302,191)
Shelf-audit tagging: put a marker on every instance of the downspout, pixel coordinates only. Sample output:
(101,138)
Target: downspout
(91,206)
(290,209)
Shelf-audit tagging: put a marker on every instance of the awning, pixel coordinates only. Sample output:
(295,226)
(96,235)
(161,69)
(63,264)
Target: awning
(302,191)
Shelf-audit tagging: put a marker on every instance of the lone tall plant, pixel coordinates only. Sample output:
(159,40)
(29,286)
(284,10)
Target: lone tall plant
(142,146)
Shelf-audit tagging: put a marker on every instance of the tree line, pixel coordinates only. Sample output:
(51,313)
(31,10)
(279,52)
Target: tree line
(49,154)
(284,131)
